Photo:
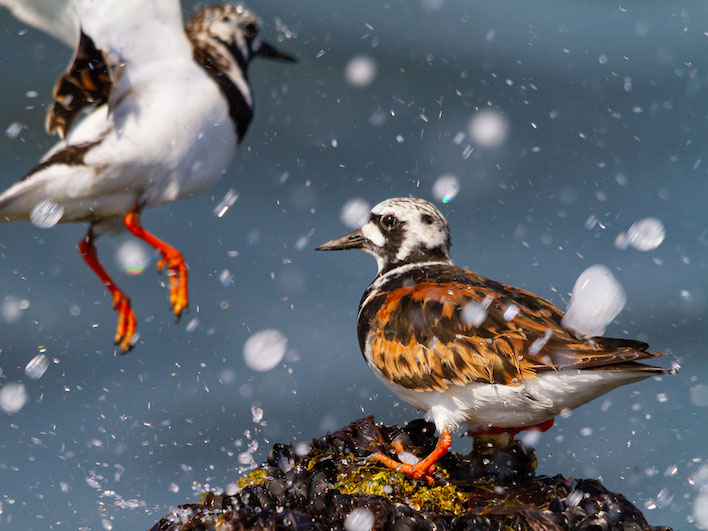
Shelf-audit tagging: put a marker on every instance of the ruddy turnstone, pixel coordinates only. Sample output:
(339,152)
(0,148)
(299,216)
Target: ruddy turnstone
(170,105)
(465,349)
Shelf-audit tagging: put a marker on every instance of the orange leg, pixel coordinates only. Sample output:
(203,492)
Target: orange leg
(423,469)
(121,303)
(176,266)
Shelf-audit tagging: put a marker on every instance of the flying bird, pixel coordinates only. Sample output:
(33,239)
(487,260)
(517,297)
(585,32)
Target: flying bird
(166,106)
(467,350)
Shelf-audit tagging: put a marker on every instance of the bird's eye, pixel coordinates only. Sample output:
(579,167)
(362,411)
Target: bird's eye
(389,222)
(225,18)
(252,28)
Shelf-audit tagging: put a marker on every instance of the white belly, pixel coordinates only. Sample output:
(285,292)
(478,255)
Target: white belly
(511,406)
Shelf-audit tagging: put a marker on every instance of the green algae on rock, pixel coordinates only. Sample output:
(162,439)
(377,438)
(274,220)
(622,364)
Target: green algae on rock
(489,489)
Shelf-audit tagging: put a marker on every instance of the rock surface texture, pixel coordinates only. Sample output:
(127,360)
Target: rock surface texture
(334,486)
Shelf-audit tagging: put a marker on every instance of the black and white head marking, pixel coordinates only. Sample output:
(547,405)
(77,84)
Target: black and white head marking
(402,231)
(225,39)
(406,230)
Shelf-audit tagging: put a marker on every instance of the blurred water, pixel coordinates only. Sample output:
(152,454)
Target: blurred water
(604,109)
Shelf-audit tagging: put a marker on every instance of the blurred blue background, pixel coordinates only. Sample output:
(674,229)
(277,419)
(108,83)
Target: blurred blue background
(605,109)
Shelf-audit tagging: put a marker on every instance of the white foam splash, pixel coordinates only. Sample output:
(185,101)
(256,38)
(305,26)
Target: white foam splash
(264,350)
(132,257)
(644,235)
(13,397)
(46,214)
(360,71)
(227,202)
(488,128)
(596,300)
(360,519)
(446,188)
(36,368)
(355,212)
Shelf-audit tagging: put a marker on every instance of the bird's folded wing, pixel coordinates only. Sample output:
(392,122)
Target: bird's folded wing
(433,335)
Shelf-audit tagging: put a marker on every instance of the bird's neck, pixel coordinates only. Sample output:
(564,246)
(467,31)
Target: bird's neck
(219,63)
(419,258)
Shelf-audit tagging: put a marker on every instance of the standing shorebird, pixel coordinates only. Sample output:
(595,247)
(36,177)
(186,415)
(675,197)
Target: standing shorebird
(465,349)
(170,103)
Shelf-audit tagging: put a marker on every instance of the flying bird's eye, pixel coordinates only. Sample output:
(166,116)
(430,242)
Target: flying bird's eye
(389,222)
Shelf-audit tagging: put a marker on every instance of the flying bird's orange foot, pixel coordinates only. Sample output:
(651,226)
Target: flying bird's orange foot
(126,321)
(423,469)
(171,257)
(177,272)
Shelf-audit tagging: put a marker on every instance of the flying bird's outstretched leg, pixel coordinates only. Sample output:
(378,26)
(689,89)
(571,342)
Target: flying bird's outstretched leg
(121,303)
(176,266)
(424,468)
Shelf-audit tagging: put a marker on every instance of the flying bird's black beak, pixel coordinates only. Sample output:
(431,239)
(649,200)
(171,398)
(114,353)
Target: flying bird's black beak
(353,240)
(270,51)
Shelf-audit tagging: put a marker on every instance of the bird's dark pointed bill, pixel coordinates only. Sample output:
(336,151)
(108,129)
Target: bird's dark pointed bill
(270,51)
(353,240)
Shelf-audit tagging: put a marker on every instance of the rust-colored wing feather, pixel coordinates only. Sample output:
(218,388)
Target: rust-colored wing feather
(421,337)
(87,82)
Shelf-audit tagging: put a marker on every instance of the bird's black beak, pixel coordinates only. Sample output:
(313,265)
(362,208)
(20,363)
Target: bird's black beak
(353,240)
(270,51)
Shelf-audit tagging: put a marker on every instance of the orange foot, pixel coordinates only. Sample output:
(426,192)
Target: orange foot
(126,321)
(177,273)
(121,303)
(423,469)
(171,257)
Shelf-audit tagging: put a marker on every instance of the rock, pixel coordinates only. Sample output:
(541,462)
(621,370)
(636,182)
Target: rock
(489,489)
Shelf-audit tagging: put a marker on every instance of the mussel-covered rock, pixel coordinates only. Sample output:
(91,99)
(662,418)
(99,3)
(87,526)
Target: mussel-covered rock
(334,485)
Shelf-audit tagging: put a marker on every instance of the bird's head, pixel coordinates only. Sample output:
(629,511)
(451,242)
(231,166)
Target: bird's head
(399,231)
(236,28)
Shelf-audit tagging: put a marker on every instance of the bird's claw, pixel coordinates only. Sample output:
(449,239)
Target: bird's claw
(177,274)
(125,330)
(419,471)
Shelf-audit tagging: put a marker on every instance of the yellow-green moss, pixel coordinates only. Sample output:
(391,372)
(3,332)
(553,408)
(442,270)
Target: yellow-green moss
(255,477)
(367,480)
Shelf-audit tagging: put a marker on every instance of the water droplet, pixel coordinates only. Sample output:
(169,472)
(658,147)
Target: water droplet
(700,509)
(36,368)
(446,188)
(227,202)
(264,350)
(473,314)
(511,312)
(174,487)
(664,498)
(596,300)
(539,343)
(360,519)
(408,458)
(13,397)
(699,395)
(573,498)
(360,71)
(488,128)
(586,431)
(132,257)
(257,414)
(645,234)
(46,214)
(355,212)
(192,325)
(14,129)
(226,278)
